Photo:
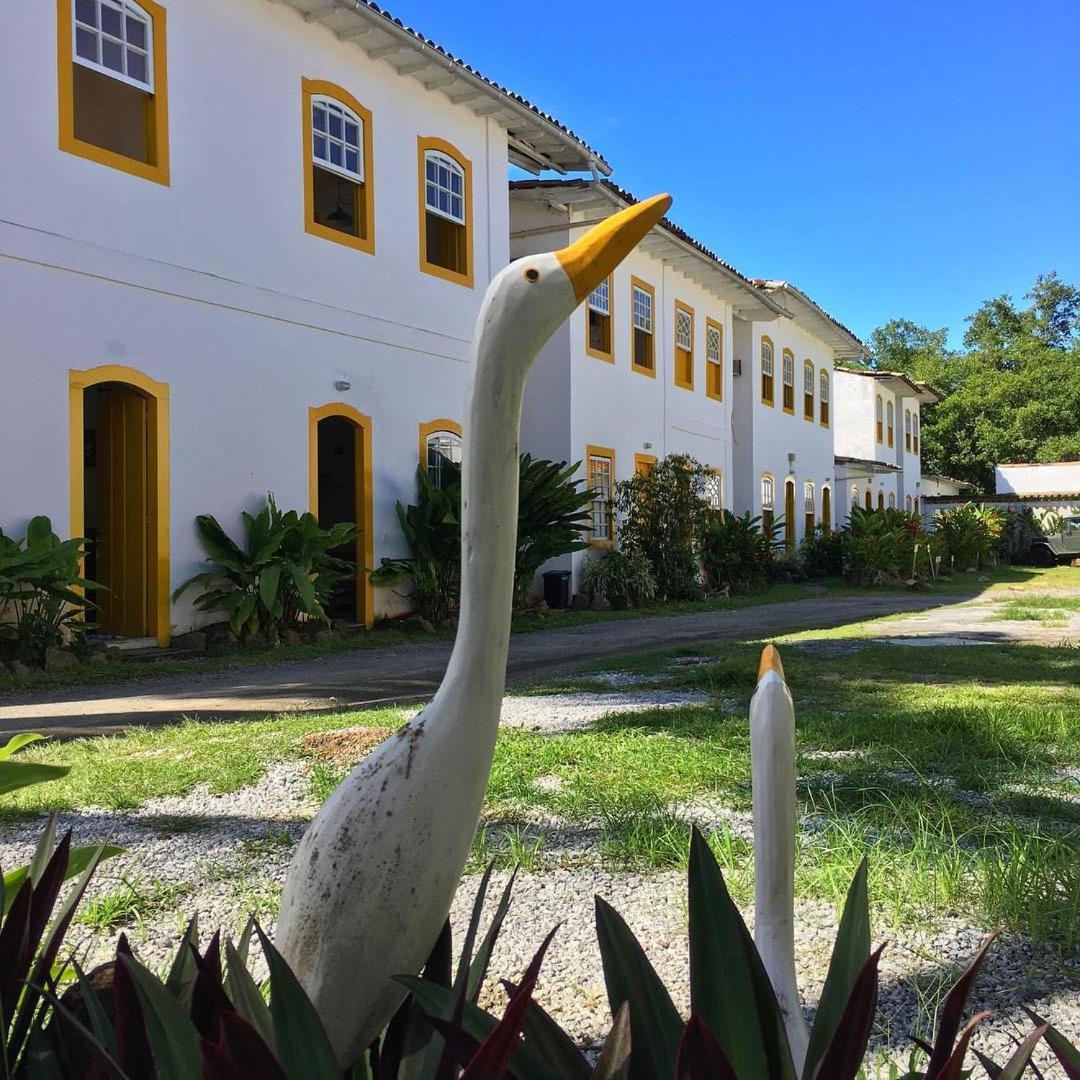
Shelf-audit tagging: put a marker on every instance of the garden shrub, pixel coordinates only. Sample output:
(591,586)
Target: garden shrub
(285,570)
(736,552)
(623,579)
(822,552)
(879,545)
(969,533)
(40,605)
(663,515)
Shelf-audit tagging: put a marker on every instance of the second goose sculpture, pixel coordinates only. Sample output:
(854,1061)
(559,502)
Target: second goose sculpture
(371,882)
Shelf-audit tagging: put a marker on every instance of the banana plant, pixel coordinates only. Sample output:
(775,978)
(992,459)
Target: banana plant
(286,568)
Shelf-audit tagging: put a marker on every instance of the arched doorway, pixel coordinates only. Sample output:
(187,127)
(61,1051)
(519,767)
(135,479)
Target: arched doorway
(119,465)
(826,509)
(789,514)
(869,500)
(339,489)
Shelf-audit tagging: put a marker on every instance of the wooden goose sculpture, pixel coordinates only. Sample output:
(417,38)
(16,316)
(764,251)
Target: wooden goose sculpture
(371,882)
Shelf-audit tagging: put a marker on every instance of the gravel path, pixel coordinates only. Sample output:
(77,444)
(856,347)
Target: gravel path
(225,857)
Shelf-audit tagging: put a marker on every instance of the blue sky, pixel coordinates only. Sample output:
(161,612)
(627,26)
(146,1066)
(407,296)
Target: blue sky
(903,159)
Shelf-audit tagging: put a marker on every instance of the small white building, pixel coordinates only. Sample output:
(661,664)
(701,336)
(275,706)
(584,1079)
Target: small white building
(1050,480)
(643,369)
(784,419)
(242,248)
(878,438)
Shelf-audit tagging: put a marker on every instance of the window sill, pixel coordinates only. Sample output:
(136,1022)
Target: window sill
(608,358)
(604,545)
(642,370)
(366,244)
(452,276)
(159,174)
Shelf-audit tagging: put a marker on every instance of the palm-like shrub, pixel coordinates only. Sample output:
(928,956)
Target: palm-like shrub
(286,569)
(552,519)
(432,529)
(553,514)
(41,590)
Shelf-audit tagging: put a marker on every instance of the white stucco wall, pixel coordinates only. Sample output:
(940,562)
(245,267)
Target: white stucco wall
(211,284)
(608,404)
(775,434)
(1023,479)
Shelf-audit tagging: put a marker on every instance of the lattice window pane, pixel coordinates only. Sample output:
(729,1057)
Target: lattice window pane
(600,297)
(789,369)
(824,387)
(336,138)
(808,379)
(808,497)
(712,344)
(444,186)
(642,310)
(714,491)
(600,483)
(766,358)
(767,493)
(114,37)
(684,329)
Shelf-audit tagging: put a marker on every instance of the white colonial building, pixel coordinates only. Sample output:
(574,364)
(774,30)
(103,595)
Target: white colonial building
(878,439)
(784,421)
(643,369)
(242,248)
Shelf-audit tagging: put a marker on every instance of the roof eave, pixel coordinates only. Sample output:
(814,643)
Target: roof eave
(536,140)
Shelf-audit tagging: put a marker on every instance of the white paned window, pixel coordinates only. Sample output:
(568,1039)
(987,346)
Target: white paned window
(854,495)
(823,394)
(766,359)
(442,446)
(115,37)
(600,482)
(789,369)
(444,185)
(684,329)
(768,493)
(892,501)
(642,310)
(714,491)
(808,379)
(808,497)
(337,138)
(600,298)
(712,344)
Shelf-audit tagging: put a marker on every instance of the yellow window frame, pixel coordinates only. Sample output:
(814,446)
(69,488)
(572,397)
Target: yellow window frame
(714,387)
(641,369)
(310,88)
(158,114)
(431,142)
(683,356)
(607,452)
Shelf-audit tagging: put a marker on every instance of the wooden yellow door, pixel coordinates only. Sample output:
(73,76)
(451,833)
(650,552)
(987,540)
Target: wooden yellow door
(789,516)
(123,494)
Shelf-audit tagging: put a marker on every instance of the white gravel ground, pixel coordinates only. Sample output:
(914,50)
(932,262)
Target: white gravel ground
(226,856)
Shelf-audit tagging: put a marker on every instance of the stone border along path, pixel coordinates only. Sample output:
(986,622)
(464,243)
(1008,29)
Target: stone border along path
(223,857)
(379,677)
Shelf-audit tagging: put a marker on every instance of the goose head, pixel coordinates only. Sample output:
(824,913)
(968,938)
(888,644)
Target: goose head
(529,299)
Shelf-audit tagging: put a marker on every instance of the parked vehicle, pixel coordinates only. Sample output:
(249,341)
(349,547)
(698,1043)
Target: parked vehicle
(1060,547)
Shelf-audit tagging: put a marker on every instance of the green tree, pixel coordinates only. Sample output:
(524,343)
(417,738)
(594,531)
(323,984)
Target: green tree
(1011,394)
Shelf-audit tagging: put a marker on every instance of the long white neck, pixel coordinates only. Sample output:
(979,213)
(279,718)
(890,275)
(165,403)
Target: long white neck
(503,351)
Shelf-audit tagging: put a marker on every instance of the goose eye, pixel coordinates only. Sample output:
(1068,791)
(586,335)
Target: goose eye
(532,274)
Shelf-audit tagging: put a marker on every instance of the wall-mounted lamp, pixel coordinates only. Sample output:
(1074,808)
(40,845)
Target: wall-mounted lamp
(342,385)
(647,446)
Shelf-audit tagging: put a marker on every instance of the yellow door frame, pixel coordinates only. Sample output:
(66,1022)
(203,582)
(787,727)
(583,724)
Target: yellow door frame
(157,395)
(364,499)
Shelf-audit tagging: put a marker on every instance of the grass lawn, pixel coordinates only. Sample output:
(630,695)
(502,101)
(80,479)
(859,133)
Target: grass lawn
(957,770)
